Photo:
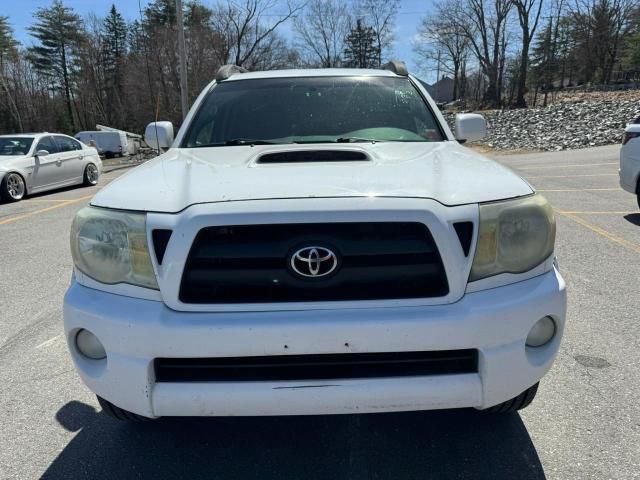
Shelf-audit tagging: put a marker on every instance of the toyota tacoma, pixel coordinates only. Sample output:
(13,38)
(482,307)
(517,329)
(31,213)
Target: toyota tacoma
(314,242)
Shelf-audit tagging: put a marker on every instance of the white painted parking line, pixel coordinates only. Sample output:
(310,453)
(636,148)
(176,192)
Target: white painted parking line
(577,175)
(536,167)
(48,342)
(579,190)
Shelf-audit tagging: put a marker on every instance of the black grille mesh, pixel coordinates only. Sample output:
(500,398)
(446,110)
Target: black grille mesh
(251,263)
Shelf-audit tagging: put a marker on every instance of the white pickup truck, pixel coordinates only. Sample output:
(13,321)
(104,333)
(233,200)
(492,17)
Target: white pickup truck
(314,242)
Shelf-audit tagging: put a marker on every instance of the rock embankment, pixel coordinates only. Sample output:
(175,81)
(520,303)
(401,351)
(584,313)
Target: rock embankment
(574,122)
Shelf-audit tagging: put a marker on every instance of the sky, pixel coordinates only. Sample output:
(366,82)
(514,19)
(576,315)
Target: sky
(20,13)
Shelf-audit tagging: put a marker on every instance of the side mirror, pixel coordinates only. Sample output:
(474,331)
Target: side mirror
(41,153)
(159,135)
(470,127)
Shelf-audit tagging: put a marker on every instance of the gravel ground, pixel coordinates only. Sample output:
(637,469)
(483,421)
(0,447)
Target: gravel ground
(576,120)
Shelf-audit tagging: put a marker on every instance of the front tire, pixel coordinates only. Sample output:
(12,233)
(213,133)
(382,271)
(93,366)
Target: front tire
(12,187)
(119,413)
(90,175)
(516,403)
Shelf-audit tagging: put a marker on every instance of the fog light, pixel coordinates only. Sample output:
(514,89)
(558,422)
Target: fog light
(542,332)
(89,345)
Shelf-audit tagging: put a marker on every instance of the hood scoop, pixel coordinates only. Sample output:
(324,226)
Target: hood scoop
(313,156)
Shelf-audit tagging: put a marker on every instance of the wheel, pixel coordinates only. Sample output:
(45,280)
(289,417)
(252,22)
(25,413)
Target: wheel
(90,175)
(120,414)
(517,403)
(12,188)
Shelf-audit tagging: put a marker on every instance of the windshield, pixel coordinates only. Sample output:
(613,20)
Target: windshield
(310,110)
(15,145)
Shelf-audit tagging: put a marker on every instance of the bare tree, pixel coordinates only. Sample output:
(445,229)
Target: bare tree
(244,27)
(483,23)
(528,17)
(322,29)
(381,16)
(442,41)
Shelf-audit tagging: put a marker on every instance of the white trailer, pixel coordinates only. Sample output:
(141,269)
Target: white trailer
(110,144)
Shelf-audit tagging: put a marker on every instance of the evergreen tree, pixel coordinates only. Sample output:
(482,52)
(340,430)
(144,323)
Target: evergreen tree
(8,44)
(59,33)
(361,50)
(114,50)
(115,44)
(161,13)
(8,51)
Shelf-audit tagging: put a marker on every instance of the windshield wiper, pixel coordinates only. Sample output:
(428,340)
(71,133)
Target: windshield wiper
(238,141)
(356,139)
(249,141)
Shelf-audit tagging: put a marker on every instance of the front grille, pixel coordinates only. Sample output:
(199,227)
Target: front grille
(252,263)
(316,367)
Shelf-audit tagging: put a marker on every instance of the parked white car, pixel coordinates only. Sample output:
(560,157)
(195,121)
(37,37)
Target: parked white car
(630,159)
(314,242)
(33,163)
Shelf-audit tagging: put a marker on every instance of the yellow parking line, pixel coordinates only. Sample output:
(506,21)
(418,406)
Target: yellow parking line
(534,167)
(580,190)
(43,210)
(578,175)
(634,247)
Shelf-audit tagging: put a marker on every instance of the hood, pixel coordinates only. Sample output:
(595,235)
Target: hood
(443,171)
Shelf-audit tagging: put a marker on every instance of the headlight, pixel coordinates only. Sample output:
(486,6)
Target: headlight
(110,246)
(514,236)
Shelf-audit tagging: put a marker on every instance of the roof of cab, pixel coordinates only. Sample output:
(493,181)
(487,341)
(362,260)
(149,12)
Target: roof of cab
(312,72)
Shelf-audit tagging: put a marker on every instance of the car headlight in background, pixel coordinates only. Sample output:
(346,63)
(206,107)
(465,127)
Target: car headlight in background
(514,236)
(110,246)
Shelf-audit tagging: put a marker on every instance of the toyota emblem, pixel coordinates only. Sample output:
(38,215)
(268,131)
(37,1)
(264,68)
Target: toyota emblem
(314,262)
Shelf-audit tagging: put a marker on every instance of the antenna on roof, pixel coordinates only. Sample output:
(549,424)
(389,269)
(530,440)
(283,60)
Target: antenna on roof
(397,67)
(227,71)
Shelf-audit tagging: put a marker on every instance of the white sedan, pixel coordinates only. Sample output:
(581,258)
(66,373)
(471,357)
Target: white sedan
(33,163)
(630,159)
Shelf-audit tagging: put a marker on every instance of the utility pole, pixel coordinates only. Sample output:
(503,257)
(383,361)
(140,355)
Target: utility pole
(183,60)
(436,92)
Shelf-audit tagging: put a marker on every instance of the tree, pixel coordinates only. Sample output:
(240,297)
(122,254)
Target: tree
(600,27)
(8,50)
(114,51)
(361,49)
(8,44)
(246,27)
(322,29)
(483,23)
(381,15)
(528,17)
(59,33)
(443,42)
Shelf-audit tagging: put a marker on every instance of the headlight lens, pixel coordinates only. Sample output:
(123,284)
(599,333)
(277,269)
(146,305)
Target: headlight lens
(110,246)
(514,236)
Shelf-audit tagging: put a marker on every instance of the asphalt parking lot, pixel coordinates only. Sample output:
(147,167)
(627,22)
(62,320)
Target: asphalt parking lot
(585,422)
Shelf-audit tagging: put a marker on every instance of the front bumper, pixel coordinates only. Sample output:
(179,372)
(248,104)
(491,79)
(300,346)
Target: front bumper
(135,332)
